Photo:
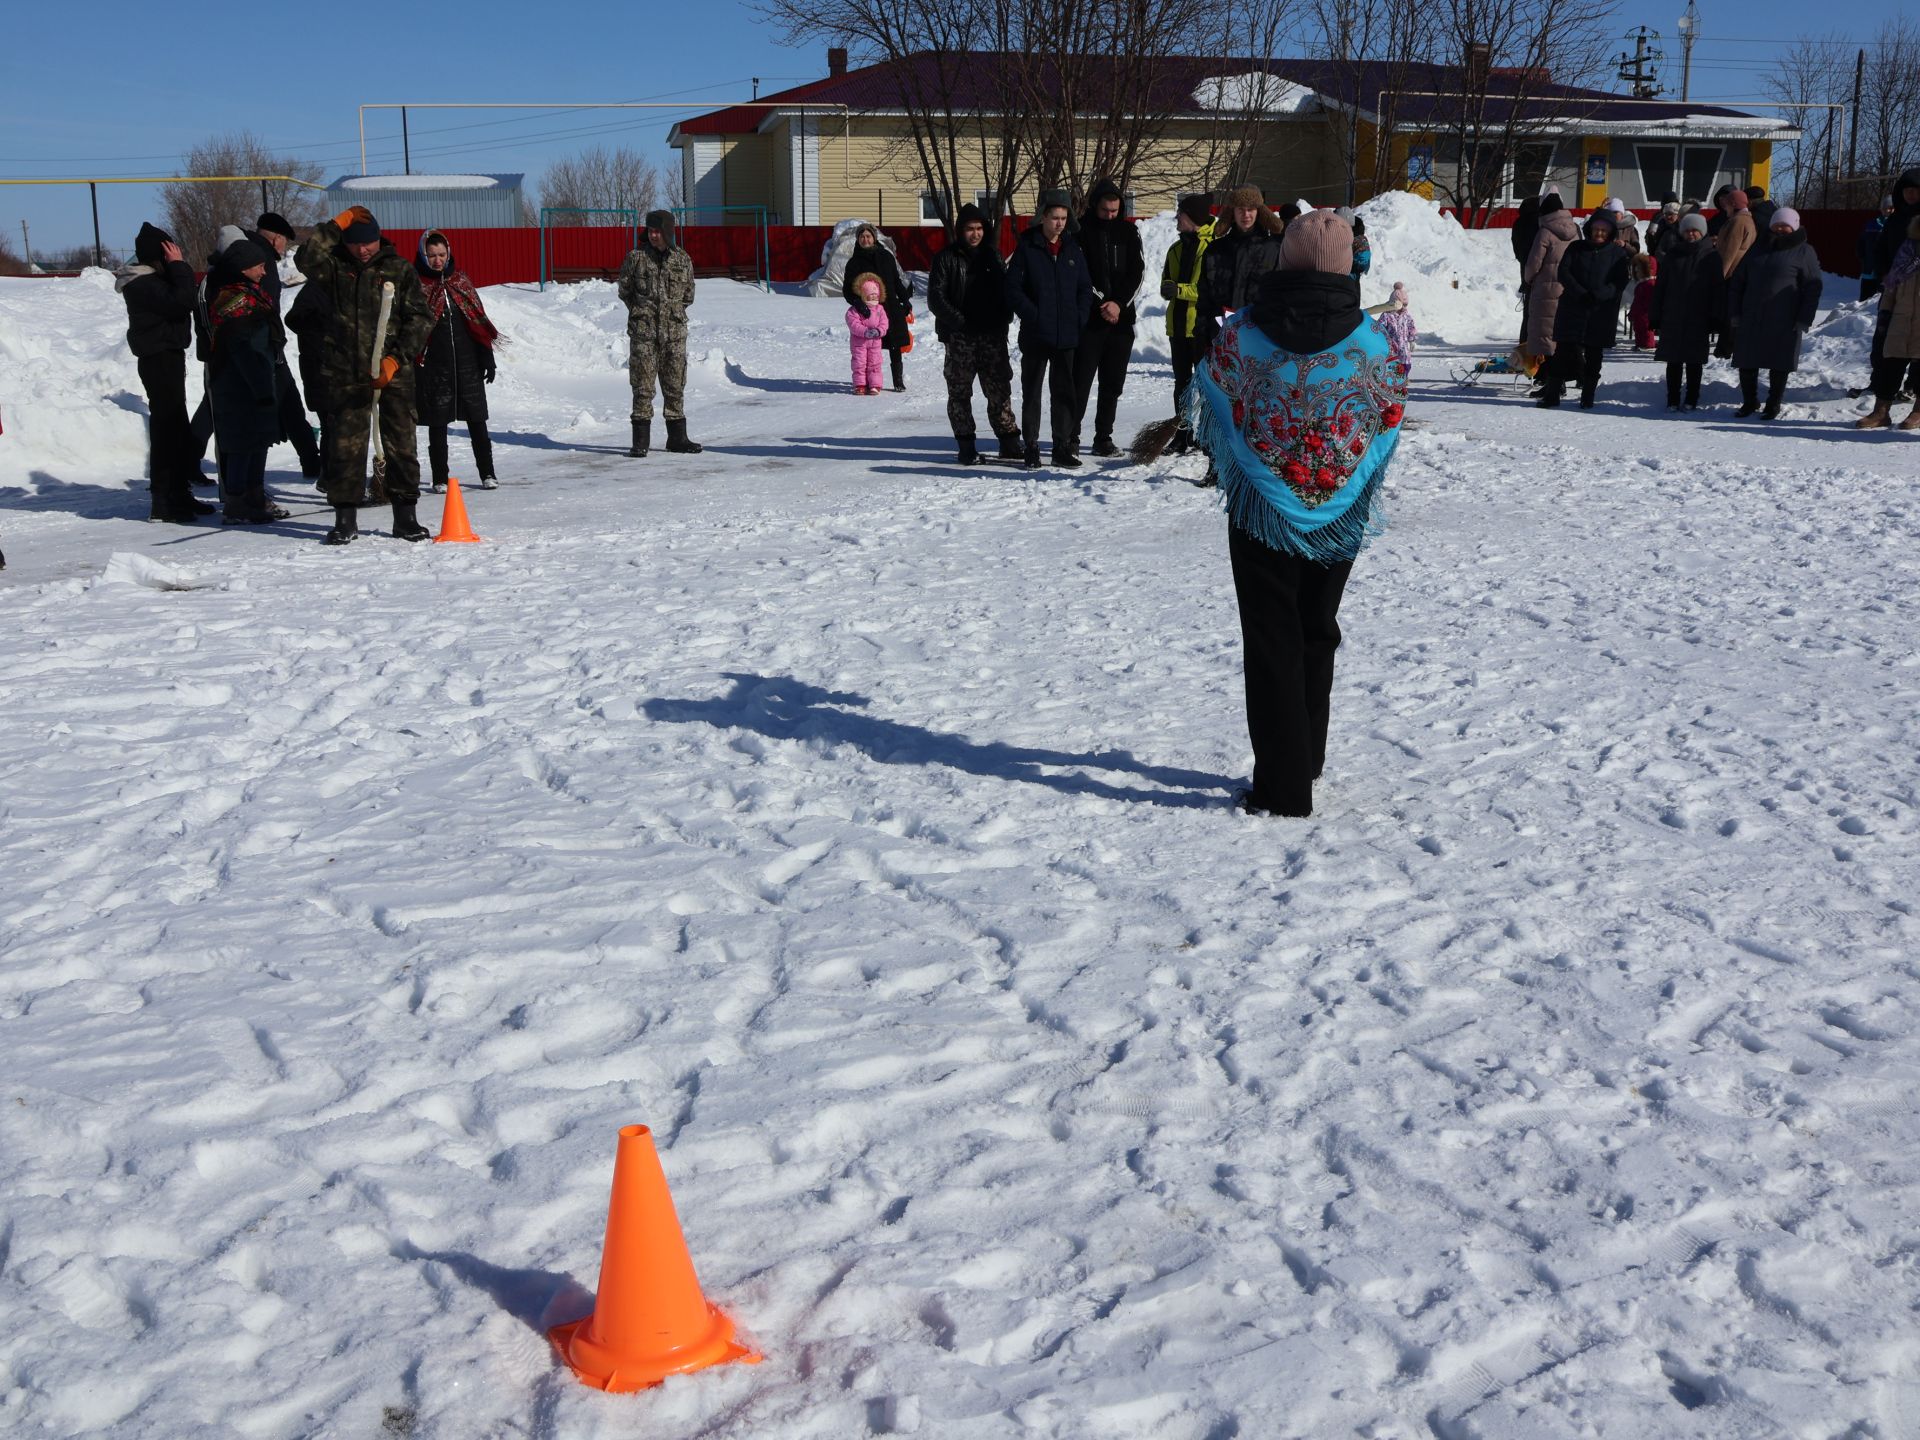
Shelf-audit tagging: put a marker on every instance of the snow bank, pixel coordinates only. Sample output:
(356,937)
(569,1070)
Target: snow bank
(832,274)
(1463,284)
(70,394)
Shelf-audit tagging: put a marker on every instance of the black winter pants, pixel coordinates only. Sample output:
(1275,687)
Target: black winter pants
(171,465)
(1186,355)
(1676,369)
(437,461)
(1891,376)
(1578,365)
(1750,386)
(1104,352)
(1289,632)
(1044,367)
(243,483)
(981,358)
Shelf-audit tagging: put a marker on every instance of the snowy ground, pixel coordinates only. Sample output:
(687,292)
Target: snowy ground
(862,825)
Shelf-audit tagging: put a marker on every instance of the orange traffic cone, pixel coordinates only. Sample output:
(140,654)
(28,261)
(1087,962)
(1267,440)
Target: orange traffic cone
(454,527)
(649,1319)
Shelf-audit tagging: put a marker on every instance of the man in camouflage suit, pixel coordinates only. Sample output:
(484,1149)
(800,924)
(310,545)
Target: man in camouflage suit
(656,285)
(350,260)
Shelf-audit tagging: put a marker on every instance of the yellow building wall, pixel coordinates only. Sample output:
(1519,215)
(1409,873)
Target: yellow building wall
(746,171)
(1760,163)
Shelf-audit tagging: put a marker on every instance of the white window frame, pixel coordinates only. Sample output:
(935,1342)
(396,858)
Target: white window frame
(929,201)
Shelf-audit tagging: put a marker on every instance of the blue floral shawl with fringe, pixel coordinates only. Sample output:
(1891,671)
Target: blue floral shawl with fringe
(1301,442)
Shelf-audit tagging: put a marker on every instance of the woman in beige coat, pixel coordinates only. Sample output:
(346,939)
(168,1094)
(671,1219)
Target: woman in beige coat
(1899,363)
(1542,274)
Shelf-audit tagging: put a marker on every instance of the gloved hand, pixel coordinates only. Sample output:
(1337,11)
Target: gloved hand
(874,332)
(487,369)
(389,367)
(352,213)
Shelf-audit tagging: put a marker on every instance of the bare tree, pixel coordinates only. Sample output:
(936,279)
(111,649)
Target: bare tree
(10,263)
(1369,47)
(1241,105)
(196,212)
(600,179)
(1889,135)
(1813,72)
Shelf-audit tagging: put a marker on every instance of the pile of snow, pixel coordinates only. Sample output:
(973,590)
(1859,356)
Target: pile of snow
(1463,284)
(70,393)
(1256,92)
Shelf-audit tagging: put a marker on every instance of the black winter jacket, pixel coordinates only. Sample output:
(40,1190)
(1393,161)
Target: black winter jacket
(1116,264)
(1230,272)
(311,318)
(160,309)
(1689,302)
(1894,233)
(1593,275)
(1050,293)
(967,292)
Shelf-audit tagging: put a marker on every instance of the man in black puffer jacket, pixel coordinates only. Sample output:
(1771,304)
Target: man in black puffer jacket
(158,288)
(967,293)
(1047,287)
(1116,266)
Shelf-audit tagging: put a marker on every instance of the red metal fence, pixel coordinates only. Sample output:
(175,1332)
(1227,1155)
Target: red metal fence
(512,256)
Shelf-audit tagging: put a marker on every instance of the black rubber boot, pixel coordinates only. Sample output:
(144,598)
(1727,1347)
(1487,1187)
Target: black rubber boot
(969,452)
(1010,447)
(677,440)
(642,440)
(1031,457)
(1104,447)
(405,525)
(346,526)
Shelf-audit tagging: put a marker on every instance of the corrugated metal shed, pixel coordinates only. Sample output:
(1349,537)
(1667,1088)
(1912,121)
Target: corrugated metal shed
(419,202)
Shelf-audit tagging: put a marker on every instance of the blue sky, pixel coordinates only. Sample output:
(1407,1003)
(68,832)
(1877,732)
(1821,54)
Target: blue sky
(126,89)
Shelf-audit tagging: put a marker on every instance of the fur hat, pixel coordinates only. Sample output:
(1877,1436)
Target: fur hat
(863,277)
(1198,209)
(1320,241)
(1052,198)
(1695,224)
(1737,200)
(662,220)
(362,232)
(273,223)
(1785,215)
(1246,197)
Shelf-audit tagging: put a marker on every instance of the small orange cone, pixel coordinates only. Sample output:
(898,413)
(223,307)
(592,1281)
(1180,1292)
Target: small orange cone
(649,1319)
(454,527)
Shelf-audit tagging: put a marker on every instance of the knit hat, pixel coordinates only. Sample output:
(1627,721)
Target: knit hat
(362,232)
(1786,215)
(1736,200)
(1551,202)
(969,215)
(1613,203)
(1756,192)
(244,255)
(1197,208)
(1399,296)
(146,245)
(1603,217)
(1670,206)
(1672,197)
(272,223)
(1320,241)
(1693,225)
(1246,197)
(661,220)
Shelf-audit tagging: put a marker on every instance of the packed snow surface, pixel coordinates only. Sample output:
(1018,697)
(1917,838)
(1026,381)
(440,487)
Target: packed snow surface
(862,824)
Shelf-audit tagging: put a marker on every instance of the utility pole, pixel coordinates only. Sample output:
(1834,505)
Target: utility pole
(94,191)
(1853,133)
(1689,32)
(406,147)
(26,245)
(1640,69)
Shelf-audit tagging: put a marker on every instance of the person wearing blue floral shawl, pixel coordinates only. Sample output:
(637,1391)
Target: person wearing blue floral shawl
(1299,405)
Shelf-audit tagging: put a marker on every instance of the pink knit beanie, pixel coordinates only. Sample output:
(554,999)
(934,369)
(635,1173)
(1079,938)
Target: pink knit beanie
(1319,240)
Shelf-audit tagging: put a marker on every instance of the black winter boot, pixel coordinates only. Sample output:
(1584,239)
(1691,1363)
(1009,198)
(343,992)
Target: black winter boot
(677,441)
(642,439)
(969,452)
(1010,447)
(405,526)
(1104,447)
(346,526)
(1031,457)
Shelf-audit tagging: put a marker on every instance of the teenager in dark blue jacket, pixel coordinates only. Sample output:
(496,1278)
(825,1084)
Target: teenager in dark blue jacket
(1049,289)
(1867,247)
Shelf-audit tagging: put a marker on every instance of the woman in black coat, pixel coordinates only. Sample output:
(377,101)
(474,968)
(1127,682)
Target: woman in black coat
(1774,295)
(870,257)
(457,365)
(1689,302)
(1593,275)
(248,346)
(159,291)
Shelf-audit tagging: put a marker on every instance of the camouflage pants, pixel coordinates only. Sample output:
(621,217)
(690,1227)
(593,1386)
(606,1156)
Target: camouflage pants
(348,434)
(982,357)
(661,358)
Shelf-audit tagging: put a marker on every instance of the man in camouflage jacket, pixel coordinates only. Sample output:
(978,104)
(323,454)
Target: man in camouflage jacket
(656,285)
(348,257)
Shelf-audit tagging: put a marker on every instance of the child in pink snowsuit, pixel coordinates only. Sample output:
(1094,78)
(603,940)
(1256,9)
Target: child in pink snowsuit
(866,334)
(1397,320)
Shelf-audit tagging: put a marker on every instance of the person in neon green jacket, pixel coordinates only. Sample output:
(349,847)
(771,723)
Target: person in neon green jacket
(1180,288)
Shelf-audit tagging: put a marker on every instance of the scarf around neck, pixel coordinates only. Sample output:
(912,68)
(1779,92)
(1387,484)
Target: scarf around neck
(454,285)
(1301,442)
